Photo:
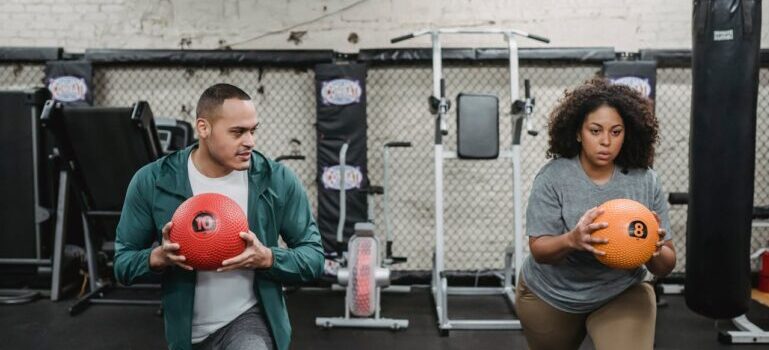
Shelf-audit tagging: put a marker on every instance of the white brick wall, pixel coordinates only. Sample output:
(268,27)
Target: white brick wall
(80,24)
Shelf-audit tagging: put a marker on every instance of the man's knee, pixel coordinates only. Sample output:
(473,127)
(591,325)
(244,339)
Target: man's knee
(250,342)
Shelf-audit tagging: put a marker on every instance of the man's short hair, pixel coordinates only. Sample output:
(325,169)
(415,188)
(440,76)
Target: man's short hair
(213,98)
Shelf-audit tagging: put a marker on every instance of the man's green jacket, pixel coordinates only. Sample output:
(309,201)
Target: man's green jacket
(277,206)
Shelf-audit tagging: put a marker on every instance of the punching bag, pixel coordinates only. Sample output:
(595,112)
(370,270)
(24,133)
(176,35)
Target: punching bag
(725,58)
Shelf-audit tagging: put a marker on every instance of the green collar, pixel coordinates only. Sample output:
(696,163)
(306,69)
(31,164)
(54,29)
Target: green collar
(173,177)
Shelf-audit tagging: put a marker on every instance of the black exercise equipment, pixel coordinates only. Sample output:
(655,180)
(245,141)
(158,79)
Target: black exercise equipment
(174,134)
(725,61)
(102,147)
(364,269)
(679,198)
(32,241)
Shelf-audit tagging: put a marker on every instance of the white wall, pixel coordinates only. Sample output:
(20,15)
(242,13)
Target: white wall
(265,24)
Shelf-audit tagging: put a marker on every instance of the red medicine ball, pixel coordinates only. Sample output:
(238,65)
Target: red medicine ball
(207,228)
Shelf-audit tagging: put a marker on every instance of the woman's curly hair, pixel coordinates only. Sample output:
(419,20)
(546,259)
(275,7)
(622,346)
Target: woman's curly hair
(637,112)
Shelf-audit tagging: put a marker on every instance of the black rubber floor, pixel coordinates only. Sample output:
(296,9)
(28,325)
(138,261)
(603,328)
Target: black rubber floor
(46,325)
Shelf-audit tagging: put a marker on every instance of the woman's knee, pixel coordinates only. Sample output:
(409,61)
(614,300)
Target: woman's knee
(629,318)
(546,327)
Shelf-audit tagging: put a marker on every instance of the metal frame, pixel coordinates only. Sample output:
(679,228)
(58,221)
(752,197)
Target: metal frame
(748,333)
(98,289)
(513,256)
(389,259)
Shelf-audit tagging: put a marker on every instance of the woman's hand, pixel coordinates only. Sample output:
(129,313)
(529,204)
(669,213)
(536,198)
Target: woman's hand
(581,237)
(661,232)
(552,249)
(663,260)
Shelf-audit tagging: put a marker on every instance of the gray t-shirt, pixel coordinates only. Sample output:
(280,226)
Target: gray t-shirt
(562,192)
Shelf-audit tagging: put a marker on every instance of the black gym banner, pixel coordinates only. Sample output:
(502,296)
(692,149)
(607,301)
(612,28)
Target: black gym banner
(341,107)
(70,82)
(639,75)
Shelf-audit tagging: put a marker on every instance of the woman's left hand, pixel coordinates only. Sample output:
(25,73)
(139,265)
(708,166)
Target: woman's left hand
(661,232)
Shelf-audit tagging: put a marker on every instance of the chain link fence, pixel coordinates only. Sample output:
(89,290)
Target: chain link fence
(20,76)
(284,98)
(478,194)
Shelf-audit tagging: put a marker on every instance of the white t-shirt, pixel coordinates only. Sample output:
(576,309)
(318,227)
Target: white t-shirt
(220,297)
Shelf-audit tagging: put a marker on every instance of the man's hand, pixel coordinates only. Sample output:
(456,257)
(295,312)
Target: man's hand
(255,256)
(165,254)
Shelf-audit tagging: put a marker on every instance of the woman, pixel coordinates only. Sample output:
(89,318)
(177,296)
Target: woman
(602,139)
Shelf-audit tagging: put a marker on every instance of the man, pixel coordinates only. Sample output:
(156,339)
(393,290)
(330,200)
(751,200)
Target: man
(241,305)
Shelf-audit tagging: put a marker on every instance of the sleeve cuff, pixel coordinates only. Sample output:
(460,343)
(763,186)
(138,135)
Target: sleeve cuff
(277,255)
(145,256)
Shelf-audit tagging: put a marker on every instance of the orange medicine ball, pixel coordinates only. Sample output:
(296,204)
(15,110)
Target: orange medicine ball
(632,234)
(207,228)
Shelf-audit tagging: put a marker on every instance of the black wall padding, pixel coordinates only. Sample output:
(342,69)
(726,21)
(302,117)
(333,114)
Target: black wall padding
(525,54)
(341,105)
(213,58)
(30,54)
(725,64)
